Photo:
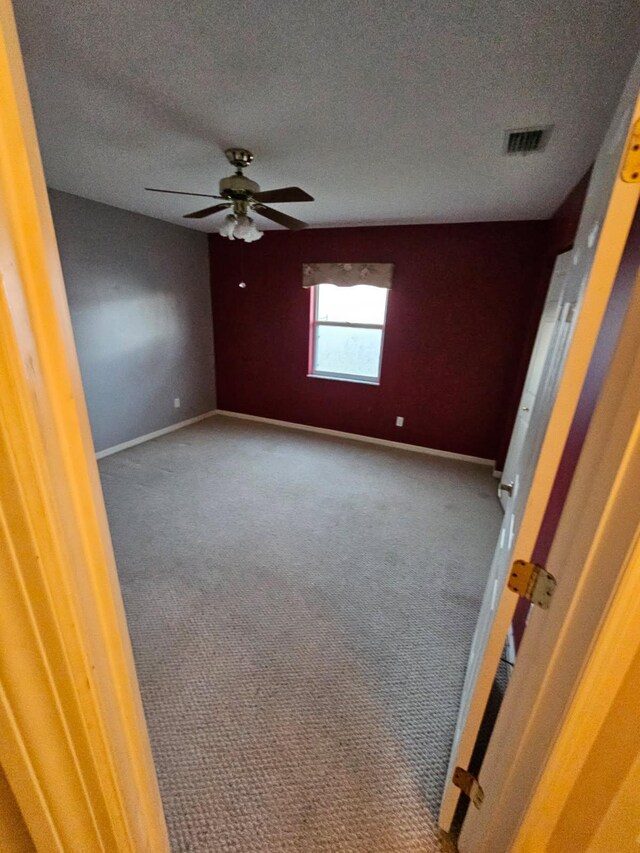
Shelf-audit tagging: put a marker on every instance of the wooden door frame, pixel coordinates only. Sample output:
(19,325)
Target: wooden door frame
(600,242)
(576,657)
(74,748)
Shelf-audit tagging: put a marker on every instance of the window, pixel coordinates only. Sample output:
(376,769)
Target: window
(347,330)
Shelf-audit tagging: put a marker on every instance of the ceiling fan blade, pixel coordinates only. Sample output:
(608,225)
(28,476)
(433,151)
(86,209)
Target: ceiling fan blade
(280,218)
(207,211)
(179,192)
(282,195)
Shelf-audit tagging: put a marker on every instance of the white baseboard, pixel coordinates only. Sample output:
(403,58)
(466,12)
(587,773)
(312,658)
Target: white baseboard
(396,445)
(150,435)
(497,474)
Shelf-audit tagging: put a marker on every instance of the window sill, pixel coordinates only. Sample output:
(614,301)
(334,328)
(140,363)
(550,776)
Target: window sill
(355,379)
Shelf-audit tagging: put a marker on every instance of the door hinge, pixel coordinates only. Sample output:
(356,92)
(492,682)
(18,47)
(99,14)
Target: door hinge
(533,582)
(631,164)
(469,785)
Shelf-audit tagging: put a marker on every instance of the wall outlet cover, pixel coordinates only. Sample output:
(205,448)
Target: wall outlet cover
(176,402)
(399,421)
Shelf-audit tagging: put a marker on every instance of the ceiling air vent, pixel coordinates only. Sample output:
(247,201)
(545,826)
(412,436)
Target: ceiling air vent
(526,140)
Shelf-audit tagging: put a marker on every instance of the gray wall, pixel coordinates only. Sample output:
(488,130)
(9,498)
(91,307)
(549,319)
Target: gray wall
(140,304)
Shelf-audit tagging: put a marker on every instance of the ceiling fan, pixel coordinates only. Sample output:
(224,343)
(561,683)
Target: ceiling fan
(244,196)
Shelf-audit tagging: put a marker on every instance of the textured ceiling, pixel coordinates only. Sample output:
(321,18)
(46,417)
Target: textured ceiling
(386,112)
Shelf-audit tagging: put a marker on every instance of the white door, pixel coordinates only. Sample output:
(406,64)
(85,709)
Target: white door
(514,505)
(548,328)
(602,234)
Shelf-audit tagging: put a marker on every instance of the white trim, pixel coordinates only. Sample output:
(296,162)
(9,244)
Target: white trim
(344,325)
(497,474)
(344,377)
(396,445)
(150,435)
(313,343)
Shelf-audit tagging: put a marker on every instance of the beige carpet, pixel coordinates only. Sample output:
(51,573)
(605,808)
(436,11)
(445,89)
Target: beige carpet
(301,610)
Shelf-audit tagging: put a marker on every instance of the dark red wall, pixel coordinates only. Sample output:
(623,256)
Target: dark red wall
(464,299)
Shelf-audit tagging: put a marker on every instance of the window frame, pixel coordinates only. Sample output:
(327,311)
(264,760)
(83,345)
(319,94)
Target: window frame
(314,323)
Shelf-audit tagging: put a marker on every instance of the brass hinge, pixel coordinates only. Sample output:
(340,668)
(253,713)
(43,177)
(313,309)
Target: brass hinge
(469,785)
(631,164)
(533,582)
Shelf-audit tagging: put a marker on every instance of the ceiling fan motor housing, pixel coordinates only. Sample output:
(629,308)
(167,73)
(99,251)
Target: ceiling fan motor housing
(237,186)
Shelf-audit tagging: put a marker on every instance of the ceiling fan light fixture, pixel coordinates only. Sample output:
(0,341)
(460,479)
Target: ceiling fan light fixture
(228,226)
(239,227)
(246,229)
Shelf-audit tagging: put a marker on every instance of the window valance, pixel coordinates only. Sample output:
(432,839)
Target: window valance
(347,275)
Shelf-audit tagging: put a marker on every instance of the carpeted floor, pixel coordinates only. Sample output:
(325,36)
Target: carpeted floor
(301,610)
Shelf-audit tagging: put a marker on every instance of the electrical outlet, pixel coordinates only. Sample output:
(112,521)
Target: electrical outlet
(399,421)
(176,402)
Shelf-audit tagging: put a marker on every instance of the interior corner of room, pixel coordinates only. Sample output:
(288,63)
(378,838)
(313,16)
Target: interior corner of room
(138,292)
(301,478)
